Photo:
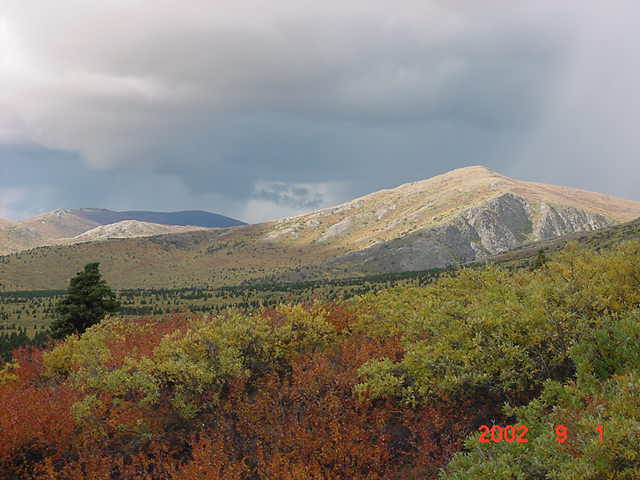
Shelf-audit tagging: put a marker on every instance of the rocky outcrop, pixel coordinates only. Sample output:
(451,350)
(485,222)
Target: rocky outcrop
(496,226)
(554,221)
(500,224)
(337,230)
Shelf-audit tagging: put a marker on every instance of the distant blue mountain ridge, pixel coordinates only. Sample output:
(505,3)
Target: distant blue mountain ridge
(198,218)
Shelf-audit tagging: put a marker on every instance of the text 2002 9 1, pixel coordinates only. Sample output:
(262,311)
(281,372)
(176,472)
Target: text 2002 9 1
(518,433)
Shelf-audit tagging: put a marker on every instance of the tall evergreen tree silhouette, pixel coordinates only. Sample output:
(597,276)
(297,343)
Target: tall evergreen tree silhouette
(88,300)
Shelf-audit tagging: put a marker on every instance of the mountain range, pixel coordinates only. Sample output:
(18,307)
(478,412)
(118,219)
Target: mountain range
(64,226)
(461,216)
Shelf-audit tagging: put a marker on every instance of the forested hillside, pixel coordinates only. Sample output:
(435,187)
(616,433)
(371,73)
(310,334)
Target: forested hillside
(395,384)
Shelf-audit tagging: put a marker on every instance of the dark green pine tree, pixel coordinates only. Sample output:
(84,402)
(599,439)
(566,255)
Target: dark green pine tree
(540,260)
(88,300)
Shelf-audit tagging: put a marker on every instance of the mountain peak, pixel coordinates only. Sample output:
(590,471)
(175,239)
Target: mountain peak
(463,215)
(392,213)
(60,212)
(472,179)
(472,168)
(471,171)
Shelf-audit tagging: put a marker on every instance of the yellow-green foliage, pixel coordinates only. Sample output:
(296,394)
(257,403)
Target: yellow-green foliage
(597,282)
(606,392)
(86,354)
(566,335)
(84,408)
(6,372)
(188,364)
(385,379)
(79,355)
(303,331)
(492,332)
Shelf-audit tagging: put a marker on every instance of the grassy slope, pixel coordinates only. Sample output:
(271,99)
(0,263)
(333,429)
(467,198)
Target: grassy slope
(214,258)
(127,229)
(14,238)
(230,256)
(33,309)
(64,226)
(57,224)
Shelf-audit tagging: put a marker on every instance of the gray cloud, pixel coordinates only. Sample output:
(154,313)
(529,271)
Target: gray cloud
(259,109)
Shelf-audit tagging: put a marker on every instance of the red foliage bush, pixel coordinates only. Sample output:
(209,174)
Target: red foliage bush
(35,424)
(303,422)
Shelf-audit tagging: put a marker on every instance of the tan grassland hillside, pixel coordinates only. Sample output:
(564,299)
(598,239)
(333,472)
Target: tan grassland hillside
(64,227)
(460,216)
(58,224)
(14,237)
(127,229)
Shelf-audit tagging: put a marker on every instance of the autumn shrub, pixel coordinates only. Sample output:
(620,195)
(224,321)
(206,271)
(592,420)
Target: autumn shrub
(605,392)
(35,418)
(384,386)
(493,333)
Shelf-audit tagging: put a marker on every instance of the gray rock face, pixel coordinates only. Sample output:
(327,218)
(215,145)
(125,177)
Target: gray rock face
(496,226)
(555,221)
(501,223)
(340,228)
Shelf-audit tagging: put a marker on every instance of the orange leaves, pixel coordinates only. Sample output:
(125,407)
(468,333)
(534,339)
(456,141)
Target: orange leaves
(341,316)
(30,365)
(136,337)
(297,418)
(93,466)
(36,423)
(210,461)
(309,425)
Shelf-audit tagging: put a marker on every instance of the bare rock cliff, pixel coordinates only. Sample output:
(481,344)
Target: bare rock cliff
(496,226)
(555,221)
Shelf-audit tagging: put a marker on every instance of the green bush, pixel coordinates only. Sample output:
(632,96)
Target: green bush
(190,365)
(606,392)
(492,333)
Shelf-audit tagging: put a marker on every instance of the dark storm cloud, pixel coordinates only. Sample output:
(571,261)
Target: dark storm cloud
(261,109)
(33,178)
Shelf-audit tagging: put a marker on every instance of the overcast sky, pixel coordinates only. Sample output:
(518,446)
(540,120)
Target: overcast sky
(264,109)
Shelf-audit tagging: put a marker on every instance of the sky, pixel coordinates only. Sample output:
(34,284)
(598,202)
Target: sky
(262,109)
